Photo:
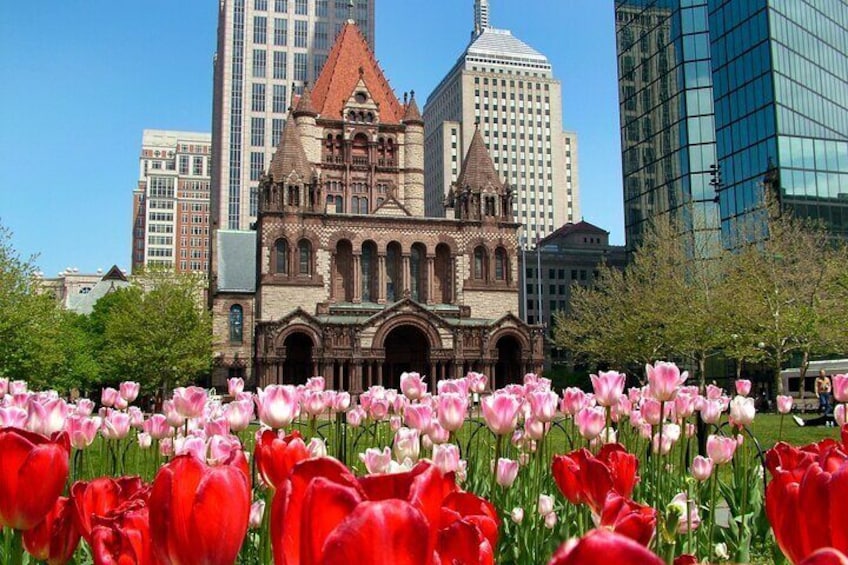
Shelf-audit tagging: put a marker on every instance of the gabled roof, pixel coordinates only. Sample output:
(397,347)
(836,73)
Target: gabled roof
(478,170)
(290,156)
(349,57)
(579,227)
(391,207)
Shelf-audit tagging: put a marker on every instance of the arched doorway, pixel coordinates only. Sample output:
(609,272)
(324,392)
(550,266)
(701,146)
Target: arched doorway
(298,365)
(508,367)
(407,349)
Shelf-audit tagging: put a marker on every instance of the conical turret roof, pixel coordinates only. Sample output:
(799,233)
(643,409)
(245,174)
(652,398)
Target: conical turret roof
(304,105)
(478,170)
(412,115)
(290,156)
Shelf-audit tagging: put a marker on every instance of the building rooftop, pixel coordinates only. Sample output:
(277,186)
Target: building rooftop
(499,43)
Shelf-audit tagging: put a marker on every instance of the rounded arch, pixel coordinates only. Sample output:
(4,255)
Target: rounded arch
(450,242)
(343,271)
(407,348)
(480,263)
(285,332)
(369,270)
(502,267)
(418,271)
(298,364)
(433,337)
(280,257)
(509,365)
(511,332)
(394,286)
(305,257)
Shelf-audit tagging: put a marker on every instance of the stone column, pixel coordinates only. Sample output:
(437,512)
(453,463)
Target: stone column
(433,377)
(357,279)
(431,264)
(405,276)
(356,377)
(381,279)
(380,373)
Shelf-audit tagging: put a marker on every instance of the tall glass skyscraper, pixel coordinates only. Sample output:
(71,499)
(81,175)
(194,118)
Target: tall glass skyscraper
(754,88)
(780,70)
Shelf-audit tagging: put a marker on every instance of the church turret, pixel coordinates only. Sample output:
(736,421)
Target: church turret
(291,182)
(414,158)
(478,193)
(304,115)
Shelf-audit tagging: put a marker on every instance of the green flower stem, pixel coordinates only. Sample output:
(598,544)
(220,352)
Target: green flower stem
(711,545)
(15,552)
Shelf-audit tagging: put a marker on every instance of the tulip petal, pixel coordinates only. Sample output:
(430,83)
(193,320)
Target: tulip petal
(602,547)
(462,542)
(387,532)
(325,506)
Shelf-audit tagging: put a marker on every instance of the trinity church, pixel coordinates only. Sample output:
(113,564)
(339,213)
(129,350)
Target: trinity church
(344,276)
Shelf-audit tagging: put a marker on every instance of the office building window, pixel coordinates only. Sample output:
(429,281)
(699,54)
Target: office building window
(280,31)
(197,166)
(254,200)
(276,131)
(301,7)
(260,5)
(279,64)
(259,59)
(321,39)
(318,64)
(183,164)
(281,6)
(257,132)
(300,67)
(257,165)
(260,29)
(321,9)
(278,101)
(300,33)
(257,101)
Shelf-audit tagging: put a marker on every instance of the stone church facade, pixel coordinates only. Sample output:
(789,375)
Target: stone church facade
(349,279)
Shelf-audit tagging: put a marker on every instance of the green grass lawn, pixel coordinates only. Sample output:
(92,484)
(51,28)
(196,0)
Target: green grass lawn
(766,428)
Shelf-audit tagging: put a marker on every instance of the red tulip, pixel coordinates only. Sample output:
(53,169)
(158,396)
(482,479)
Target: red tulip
(276,456)
(630,519)
(584,478)
(814,476)
(123,537)
(826,556)
(33,471)
(462,542)
(99,497)
(602,547)
(55,538)
(199,513)
(685,559)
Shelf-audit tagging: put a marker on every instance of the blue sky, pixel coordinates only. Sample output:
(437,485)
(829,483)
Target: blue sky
(82,79)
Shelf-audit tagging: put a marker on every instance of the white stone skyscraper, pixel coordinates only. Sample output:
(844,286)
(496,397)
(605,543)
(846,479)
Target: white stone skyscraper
(507,89)
(265,49)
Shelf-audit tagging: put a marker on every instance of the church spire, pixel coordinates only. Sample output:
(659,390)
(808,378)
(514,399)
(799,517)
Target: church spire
(481,16)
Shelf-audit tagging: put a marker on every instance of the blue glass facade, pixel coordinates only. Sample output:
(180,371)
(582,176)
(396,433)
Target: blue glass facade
(780,69)
(757,87)
(667,125)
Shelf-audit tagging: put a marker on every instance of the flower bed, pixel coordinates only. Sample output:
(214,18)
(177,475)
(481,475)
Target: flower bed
(518,475)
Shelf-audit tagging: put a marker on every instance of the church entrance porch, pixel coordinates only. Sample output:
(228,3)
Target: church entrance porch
(407,349)
(508,368)
(298,365)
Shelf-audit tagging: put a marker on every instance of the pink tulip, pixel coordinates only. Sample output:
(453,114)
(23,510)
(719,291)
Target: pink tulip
(395,422)
(136,416)
(257,512)
(129,390)
(316,384)
(4,387)
(687,511)
(13,417)
(446,457)
(314,402)
(839,415)
(506,472)
(664,380)
(743,387)
(784,404)
(651,411)
(109,396)
(500,410)
(702,468)
(407,444)
(437,434)
(608,386)
(590,422)
(840,388)
(451,409)
(573,400)
(543,405)
(166,447)
(173,417)
(376,462)
(714,392)
(157,426)
(192,445)
(316,447)
(355,417)
(144,440)
(742,411)
(663,448)
(476,382)
(81,430)
(684,405)
(238,414)
(721,449)
(84,407)
(412,385)
(217,427)
(116,425)
(47,417)
(379,409)
(711,411)
(550,520)
(277,405)
(190,401)
(517,515)
(546,504)
(235,386)
(341,401)
(419,416)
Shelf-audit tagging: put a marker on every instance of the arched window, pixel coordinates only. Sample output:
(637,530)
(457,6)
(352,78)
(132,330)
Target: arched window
(281,257)
(363,205)
(415,272)
(443,275)
(304,249)
(480,260)
(500,264)
(343,274)
(368,265)
(393,282)
(236,323)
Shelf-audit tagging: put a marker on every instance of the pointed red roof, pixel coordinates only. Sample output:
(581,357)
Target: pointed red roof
(349,56)
(478,170)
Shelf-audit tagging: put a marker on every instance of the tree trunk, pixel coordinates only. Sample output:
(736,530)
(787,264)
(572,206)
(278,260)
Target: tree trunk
(778,382)
(802,371)
(702,371)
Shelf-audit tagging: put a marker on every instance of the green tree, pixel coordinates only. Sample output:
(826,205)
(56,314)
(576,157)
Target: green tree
(156,332)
